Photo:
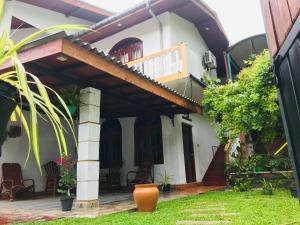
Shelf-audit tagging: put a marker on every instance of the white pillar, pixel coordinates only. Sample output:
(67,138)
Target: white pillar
(88,149)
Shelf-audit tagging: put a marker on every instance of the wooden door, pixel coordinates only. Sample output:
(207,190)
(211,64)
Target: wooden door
(188,149)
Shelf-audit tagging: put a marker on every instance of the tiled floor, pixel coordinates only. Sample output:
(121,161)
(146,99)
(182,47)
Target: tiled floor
(48,208)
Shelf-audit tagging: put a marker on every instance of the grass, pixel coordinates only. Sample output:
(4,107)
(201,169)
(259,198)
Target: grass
(251,208)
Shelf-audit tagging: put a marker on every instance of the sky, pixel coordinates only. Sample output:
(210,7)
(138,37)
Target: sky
(240,18)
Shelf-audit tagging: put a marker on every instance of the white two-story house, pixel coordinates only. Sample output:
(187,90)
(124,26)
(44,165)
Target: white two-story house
(142,70)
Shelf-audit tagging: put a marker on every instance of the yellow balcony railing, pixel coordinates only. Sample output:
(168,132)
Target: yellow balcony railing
(164,66)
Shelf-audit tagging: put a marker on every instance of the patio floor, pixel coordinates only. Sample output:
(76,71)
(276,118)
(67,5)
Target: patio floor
(44,208)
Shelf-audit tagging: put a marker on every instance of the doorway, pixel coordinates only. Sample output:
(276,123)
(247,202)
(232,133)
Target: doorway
(189,158)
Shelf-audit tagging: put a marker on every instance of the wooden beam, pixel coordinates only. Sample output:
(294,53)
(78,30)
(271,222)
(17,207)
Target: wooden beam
(83,55)
(66,77)
(38,52)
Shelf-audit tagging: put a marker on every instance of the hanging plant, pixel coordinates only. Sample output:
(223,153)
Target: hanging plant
(71,96)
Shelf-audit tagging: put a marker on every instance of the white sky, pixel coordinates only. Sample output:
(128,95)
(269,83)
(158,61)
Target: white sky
(240,18)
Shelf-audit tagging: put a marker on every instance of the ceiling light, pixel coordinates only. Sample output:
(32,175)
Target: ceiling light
(207,28)
(62,58)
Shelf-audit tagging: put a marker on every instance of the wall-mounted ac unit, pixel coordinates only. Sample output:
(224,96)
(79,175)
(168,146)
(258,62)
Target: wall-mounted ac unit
(209,60)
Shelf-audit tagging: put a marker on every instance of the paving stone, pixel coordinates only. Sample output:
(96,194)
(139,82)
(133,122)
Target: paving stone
(197,222)
(204,209)
(216,214)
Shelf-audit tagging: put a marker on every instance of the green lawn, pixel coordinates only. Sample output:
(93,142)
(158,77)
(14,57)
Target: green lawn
(243,208)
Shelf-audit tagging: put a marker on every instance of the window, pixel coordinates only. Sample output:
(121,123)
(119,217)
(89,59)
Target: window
(128,50)
(111,144)
(148,140)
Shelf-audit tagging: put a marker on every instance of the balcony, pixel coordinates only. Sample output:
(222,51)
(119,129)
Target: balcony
(164,66)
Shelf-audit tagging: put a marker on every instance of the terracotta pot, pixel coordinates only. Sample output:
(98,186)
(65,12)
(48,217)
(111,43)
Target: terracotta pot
(146,197)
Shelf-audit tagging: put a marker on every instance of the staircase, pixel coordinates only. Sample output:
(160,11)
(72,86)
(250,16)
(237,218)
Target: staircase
(215,174)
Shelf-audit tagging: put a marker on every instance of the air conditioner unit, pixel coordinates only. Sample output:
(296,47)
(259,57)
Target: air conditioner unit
(209,60)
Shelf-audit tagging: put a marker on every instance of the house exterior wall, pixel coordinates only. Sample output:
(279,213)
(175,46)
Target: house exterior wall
(146,31)
(14,150)
(175,30)
(204,137)
(39,18)
(19,34)
(182,30)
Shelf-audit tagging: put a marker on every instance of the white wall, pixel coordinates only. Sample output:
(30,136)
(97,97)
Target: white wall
(43,18)
(147,31)
(182,30)
(204,137)
(14,150)
(19,34)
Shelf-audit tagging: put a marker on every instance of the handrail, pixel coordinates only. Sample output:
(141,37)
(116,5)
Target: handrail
(165,65)
(156,54)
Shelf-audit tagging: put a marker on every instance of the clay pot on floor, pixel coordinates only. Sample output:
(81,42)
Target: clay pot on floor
(146,197)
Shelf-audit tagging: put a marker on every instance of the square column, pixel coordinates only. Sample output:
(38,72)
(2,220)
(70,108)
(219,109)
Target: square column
(88,149)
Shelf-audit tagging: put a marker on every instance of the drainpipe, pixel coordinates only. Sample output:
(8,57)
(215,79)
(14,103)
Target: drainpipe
(226,67)
(159,24)
(229,66)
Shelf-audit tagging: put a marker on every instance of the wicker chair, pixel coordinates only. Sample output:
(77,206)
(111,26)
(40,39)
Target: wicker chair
(142,176)
(52,178)
(12,182)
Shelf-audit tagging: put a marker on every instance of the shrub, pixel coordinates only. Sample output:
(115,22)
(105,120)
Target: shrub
(267,187)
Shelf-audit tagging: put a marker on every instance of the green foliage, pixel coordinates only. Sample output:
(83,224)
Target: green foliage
(239,173)
(248,104)
(271,163)
(267,187)
(165,179)
(71,96)
(67,179)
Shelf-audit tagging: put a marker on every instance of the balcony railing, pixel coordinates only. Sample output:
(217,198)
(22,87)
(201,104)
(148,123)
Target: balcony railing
(167,65)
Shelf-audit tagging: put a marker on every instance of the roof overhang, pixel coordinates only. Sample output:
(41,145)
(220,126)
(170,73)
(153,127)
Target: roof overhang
(125,92)
(195,11)
(74,8)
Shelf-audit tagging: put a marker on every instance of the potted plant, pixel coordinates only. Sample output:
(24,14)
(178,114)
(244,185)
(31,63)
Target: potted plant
(165,182)
(71,97)
(67,181)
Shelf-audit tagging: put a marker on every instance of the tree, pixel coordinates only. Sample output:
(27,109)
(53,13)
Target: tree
(248,104)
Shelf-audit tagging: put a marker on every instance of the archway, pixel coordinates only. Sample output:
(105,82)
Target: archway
(128,49)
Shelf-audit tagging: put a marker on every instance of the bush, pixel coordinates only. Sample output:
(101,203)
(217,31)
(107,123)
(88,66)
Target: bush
(239,173)
(267,187)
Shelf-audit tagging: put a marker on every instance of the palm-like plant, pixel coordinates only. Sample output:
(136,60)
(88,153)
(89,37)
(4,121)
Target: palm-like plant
(33,91)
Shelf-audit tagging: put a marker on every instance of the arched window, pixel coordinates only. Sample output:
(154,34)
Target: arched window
(148,140)
(128,49)
(111,144)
